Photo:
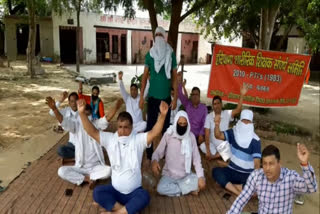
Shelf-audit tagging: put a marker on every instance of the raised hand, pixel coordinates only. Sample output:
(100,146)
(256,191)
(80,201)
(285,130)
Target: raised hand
(155,168)
(184,83)
(302,153)
(120,74)
(244,89)
(51,103)
(119,103)
(163,108)
(64,96)
(81,105)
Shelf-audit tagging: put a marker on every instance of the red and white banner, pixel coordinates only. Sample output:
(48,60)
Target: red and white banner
(274,78)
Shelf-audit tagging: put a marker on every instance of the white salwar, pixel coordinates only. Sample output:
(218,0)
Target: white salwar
(132,106)
(88,154)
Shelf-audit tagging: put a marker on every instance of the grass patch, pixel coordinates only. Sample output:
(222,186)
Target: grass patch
(289,129)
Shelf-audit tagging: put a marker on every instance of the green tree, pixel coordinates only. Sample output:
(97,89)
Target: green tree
(309,22)
(173,10)
(261,20)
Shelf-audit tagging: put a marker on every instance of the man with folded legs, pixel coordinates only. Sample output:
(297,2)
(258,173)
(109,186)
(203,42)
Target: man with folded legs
(125,150)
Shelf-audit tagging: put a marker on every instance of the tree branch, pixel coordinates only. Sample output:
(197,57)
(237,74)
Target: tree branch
(195,7)
(149,4)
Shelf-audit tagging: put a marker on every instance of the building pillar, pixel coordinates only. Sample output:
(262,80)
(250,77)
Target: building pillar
(178,54)
(129,47)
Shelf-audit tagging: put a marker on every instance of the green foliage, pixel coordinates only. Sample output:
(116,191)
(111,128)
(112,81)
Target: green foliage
(232,18)
(137,80)
(19,7)
(229,106)
(309,21)
(289,129)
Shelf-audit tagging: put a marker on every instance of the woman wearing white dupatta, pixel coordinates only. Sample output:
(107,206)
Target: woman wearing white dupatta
(179,147)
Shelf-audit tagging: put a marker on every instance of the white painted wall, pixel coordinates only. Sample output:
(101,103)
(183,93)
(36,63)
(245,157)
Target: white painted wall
(204,48)
(237,42)
(296,45)
(89,20)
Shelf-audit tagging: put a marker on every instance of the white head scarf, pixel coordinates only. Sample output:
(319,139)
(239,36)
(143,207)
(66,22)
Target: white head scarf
(244,133)
(186,146)
(161,53)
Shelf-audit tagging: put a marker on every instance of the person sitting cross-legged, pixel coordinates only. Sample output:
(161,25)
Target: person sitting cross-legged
(246,152)
(179,147)
(89,160)
(125,151)
(67,151)
(212,145)
(276,186)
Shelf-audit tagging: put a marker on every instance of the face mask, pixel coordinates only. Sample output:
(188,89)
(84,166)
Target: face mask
(94,97)
(181,130)
(123,139)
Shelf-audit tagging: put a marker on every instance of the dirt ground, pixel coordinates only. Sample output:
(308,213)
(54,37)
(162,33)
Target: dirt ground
(26,128)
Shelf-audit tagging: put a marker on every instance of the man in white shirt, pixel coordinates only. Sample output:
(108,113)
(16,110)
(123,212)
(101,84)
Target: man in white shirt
(89,160)
(211,143)
(132,105)
(125,150)
(67,151)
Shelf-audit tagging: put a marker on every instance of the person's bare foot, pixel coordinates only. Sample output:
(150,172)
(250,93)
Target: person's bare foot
(195,193)
(92,184)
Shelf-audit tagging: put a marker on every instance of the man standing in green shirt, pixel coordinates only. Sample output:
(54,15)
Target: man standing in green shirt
(161,66)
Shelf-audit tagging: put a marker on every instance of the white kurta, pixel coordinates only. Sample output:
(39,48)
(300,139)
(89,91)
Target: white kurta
(125,178)
(88,154)
(67,112)
(226,117)
(132,106)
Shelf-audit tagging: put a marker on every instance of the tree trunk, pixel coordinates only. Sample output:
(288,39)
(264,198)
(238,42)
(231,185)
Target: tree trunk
(78,37)
(267,20)
(149,4)
(32,38)
(174,23)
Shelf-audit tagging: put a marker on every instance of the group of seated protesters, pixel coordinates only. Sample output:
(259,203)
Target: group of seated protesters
(190,130)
